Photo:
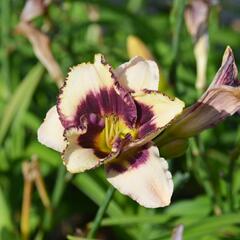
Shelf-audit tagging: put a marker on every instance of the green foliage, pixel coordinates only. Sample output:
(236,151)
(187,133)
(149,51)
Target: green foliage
(20,101)
(207,178)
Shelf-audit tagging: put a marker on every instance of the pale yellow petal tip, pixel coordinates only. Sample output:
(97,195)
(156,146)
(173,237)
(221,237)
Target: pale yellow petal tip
(180,102)
(228,51)
(160,204)
(99,58)
(179,105)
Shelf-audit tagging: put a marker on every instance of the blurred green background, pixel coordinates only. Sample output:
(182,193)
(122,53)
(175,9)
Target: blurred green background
(206,199)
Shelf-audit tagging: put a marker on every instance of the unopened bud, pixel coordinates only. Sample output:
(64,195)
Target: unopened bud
(174,149)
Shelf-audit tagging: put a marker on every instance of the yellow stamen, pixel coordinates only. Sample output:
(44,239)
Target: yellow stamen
(106,130)
(114,127)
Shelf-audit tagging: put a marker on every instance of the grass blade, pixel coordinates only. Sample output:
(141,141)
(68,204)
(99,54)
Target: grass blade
(20,100)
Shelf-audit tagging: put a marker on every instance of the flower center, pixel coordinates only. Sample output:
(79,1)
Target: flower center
(114,129)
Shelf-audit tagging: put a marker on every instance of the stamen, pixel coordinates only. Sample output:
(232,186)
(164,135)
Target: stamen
(114,129)
(106,130)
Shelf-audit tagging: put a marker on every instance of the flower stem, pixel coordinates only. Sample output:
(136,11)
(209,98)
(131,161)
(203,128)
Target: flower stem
(101,211)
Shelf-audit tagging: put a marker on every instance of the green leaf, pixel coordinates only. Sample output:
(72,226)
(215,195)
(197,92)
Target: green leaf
(200,206)
(205,227)
(5,219)
(211,225)
(132,220)
(20,100)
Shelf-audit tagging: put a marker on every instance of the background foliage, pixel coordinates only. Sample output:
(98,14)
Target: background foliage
(207,178)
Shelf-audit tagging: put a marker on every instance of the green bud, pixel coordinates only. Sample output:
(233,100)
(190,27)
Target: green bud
(174,149)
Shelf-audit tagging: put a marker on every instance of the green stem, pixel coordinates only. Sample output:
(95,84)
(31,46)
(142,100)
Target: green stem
(101,211)
(177,22)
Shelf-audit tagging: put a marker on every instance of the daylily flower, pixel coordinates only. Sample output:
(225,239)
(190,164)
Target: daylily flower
(103,117)
(109,117)
(221,99)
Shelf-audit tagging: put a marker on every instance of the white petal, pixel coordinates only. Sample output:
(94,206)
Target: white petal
(79,159)
(163,107)
(155,112)
(146,178)
(82,80)
(138,74)
(92,88)
(50,133)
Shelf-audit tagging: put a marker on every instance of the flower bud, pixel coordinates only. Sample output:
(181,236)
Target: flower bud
(174,149)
